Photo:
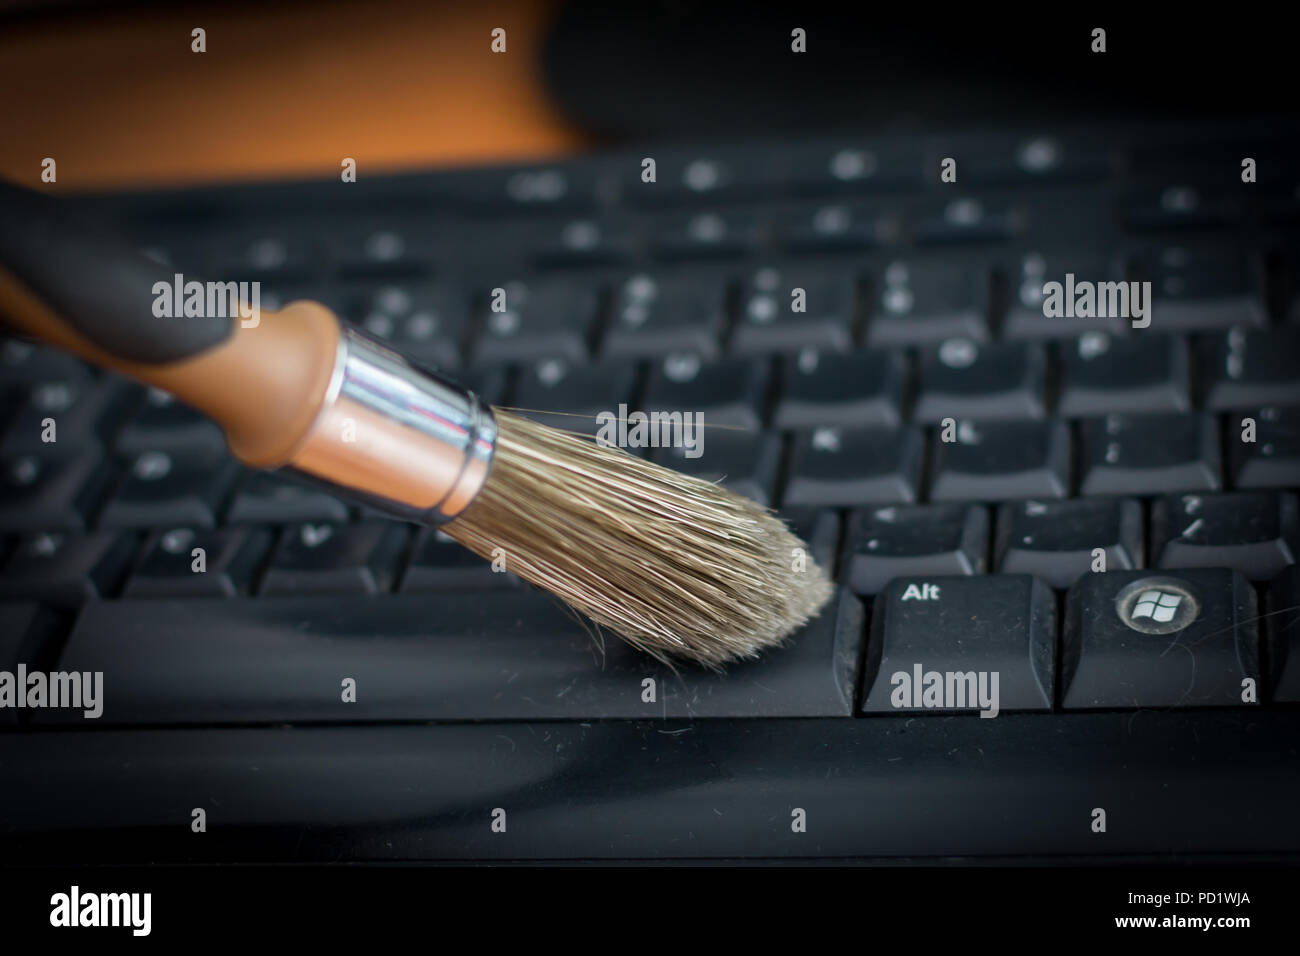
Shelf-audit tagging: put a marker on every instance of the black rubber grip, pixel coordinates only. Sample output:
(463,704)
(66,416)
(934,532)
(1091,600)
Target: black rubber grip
(95,282)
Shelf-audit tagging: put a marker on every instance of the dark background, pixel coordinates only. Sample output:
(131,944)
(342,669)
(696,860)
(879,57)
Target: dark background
(682,69)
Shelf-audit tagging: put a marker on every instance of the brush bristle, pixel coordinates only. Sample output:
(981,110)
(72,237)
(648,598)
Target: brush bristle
(677,566)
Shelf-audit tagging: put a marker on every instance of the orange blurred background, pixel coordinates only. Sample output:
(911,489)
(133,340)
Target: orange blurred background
(118,98)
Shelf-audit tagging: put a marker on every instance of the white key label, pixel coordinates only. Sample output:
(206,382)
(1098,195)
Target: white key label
(921,592)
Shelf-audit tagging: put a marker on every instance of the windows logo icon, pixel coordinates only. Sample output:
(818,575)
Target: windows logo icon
(1157,605)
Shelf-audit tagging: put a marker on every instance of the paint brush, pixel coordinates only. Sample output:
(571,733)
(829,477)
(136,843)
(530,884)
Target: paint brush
(679,567)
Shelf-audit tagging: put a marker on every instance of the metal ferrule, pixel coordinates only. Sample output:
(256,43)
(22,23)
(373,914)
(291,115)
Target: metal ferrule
(409,442)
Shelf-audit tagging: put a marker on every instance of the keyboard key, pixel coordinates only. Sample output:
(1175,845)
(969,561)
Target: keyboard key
(1180,205)
(24,628)
(1143,373)
(64,415)
(961,644)
(378,247)
(937,788)
(1280,202)
(854,466)
(523,189)
(785,311)
(394,298)
(819,528)
(1283,618)
(725,393)
(1290,280)
(968,219)
(1031,314)
(743,463)
(689,176)
(1255,532)
(700,235)
(517,656)
(1272,459)
(1247,368)
(270,252)
(65,570)
(165,489)
(223,567)
(163,424)
(1194,159)
(834,227)
(1000,461)
(885,543)
(1057,541)
(655,316)
(425,322)
(1159,639)
(50,493)
(23,362)
(335,559)
(268,498)
(1146,454)
(608,240)
(438,563)
(926,303)
(491,384)
(539,320)
(830,169)
(1194,292)
(988,382)
(1036,159)
(11,396)
(865,388)
(556,393)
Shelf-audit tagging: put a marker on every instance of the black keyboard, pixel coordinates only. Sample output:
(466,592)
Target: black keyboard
(1068,612)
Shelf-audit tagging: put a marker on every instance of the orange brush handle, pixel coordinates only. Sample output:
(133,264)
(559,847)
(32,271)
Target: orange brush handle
(264,385)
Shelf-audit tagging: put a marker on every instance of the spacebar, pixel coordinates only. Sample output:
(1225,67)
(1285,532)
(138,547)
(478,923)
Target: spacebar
(1021,785)
(415,657)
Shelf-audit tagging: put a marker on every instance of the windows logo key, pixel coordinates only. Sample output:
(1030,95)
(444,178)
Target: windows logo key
(1157,606)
